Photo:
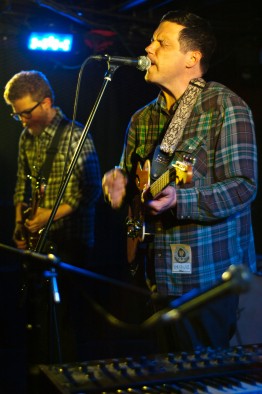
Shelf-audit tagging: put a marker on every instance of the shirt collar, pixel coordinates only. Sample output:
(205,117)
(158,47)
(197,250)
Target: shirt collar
(52,127)
(161,102)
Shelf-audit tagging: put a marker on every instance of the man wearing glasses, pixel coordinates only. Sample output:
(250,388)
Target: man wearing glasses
(24,114)
(72,231)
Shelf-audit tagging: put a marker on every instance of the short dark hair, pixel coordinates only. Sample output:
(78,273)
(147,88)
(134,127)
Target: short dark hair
(196,35)
(33,83)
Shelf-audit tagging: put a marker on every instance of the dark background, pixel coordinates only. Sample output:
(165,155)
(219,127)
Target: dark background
(121,28)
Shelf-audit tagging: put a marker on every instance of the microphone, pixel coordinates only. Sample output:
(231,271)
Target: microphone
(142,62)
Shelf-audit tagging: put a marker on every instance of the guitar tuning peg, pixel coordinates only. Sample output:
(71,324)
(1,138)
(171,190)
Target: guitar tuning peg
(186,158)
(189,159)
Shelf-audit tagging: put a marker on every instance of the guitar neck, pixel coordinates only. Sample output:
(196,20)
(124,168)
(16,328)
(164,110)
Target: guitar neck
(37,197)
(162,181)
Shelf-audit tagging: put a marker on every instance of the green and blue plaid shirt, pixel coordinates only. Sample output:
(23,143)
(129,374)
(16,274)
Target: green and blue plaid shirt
(84,186)
(213,213)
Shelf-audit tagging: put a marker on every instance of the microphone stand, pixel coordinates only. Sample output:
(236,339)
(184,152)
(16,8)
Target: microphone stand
(42,239)
(47,261)
(107,78)
(235,280)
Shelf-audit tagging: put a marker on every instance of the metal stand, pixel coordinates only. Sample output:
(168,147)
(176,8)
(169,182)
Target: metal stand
(107,78)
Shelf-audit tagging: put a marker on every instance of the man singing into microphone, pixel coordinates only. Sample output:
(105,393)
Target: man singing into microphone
(201,223)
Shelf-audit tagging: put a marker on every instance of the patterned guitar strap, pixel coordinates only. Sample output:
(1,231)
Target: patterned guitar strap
(164,152)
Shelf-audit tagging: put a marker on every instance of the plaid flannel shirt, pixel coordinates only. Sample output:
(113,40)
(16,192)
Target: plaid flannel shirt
(84,186)
(213,212)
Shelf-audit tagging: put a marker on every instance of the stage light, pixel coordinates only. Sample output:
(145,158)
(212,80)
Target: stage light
(50,42)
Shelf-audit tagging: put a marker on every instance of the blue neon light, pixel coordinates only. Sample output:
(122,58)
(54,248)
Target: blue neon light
(50,42)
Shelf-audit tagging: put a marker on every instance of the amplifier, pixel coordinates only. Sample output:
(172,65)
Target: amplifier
(233,370)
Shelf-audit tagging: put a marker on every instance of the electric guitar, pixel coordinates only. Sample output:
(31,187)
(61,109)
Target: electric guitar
(179,172)
(29,213)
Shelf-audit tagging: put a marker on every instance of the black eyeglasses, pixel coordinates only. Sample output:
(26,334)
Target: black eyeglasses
(25,114)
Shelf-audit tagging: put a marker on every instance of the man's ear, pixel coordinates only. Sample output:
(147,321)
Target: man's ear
(193,58)
(47,102)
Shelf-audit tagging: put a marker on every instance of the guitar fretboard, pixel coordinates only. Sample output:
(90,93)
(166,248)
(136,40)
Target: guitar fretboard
(162,181)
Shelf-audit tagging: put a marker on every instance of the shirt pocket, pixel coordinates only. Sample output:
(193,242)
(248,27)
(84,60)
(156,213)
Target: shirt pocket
(194,150)
(145,151)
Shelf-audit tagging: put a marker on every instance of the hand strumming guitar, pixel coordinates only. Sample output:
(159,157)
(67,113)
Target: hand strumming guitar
(42,216)
(24,231)
(30,226)
(114,187)
(38,222)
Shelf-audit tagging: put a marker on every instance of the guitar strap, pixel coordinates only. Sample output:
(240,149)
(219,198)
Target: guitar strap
(164,152)
(160,163)
(176,126)
(53,149)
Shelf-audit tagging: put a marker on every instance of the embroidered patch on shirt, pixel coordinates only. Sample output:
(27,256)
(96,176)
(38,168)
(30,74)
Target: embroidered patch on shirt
(181,259)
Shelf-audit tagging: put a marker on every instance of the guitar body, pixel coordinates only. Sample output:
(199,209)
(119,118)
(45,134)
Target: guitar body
(180,172)
(136,215)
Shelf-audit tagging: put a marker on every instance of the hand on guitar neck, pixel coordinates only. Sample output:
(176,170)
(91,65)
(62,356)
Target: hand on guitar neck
(164,200)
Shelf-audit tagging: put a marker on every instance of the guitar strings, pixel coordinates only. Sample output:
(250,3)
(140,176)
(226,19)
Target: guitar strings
(160,183)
